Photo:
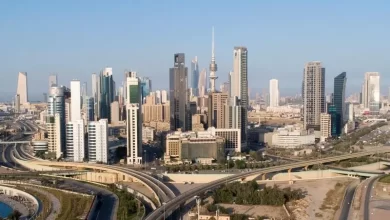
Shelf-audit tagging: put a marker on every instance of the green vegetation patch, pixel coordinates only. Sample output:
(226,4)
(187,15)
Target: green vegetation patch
(129,207)
(385,179)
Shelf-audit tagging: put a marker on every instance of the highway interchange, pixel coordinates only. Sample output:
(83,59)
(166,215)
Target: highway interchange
(171,202)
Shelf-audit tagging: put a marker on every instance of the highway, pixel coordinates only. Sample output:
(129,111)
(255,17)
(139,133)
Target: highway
(367,198)
(182,198)
(348,197)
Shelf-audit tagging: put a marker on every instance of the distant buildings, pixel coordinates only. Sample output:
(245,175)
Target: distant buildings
(75,103)
(325,126)
(106,93)
(53,80)
(75,141)
(195,76)
(202,84)
(216,109)
(22,89)
(292,137)
(274,93)
(313,93)
(337,109)
(56,121)
(146,87)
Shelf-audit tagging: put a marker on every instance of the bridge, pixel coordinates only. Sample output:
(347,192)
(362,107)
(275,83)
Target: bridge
(173,204)
(15,142)
(375,120)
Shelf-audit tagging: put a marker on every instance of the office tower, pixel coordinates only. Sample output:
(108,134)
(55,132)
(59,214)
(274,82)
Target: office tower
(88,109)
(75,103)
(202,89)
(194,76)
(84,91)
(67,110)
(313,94)
(22,89)
(115,113)
(134,119)
(164,96)
(158,97)
(233,111)
(216,108)
(56,106)
(53,80)
(17,103)
(96,93)
(225,87)
(239,85)
(98,141)
(106,92)
(339,103)
(146,87)
(371,92)
(75,149)
(274,93)
(179,99)
(55,135)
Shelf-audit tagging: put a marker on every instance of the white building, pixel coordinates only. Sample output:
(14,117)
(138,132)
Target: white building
(292,137)
(371,92)
(75,149)
(134,119)
(54,134)
(75,111)
(148,134)
(293,109)
(52,80)
(158,97)
(274,93)
(232,138)
(98,141)
(22,89)
(325,126)
(351,112)
(164,96)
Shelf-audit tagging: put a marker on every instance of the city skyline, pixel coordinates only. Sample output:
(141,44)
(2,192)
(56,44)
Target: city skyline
(262,62)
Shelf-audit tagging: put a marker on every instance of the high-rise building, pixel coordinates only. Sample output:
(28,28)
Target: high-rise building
(75,146)
(98,141)
(134,119)
(56,106)
(371,92)
(179,97)
(84,90)
(339,103)
(164,96)
(216,109)
(115,113)
(96,94)
(313,95)
(194,76)
(233,111)
(325,126)
(55,135)
(274,93)
(202,84)
(53,80)
(67,110)
(88,109)
(239,85)
(106,92)
(75,109)
(146,87)
(17,103)
(158,97)
(225,87)
(22,89)
(351,112)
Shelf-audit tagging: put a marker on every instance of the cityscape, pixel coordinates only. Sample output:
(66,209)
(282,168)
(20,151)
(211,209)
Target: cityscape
(194,142)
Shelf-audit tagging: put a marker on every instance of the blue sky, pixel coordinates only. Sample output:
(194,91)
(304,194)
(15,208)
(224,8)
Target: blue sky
(76,38)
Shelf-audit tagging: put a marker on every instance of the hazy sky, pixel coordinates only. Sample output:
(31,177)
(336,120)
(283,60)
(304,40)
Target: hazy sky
(75,38)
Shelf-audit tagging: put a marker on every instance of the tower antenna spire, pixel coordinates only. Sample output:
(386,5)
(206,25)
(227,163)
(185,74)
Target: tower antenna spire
(213,65)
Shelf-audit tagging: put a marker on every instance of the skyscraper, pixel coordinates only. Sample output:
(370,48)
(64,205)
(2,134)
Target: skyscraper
(216,109)
(75,100)
(107,93)
(179,98)
(17,104)
(371,92)
(96,93)
(313,94)
(339,104)
(274,93)
(134,119)
(158,97)
(75,141)
(146,87)
(56,114)
(194,76)
(53,80)
(239,85)
(202,84)
(98,141)
(22,89)
(164,96)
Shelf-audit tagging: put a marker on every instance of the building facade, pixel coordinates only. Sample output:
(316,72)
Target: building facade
(75,141)
(22,88)
(98,141)
(274,93)
(194,76)
(371,92)
(106,92)
(339,104)
(75,103)
(216,109)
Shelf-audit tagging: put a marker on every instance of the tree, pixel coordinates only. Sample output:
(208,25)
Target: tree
(15,215)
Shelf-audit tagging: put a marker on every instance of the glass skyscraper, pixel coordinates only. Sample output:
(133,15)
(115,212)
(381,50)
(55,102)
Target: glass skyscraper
(337,108)
(195,76)
(107,93)
(146,87)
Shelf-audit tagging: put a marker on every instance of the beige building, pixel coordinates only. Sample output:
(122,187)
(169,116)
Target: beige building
(148,134)
(53,126)
(193,145)
(157,113)
(115,112)
(198,121)
(216,103)
(325,126)
(232,138)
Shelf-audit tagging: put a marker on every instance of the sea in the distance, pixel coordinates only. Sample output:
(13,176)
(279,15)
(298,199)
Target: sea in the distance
(5,210)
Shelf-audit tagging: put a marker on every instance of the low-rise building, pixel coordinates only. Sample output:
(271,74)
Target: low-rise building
(292,136)
(193,145)
(148,134)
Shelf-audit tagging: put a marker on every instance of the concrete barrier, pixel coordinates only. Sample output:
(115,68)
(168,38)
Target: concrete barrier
(16,192)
